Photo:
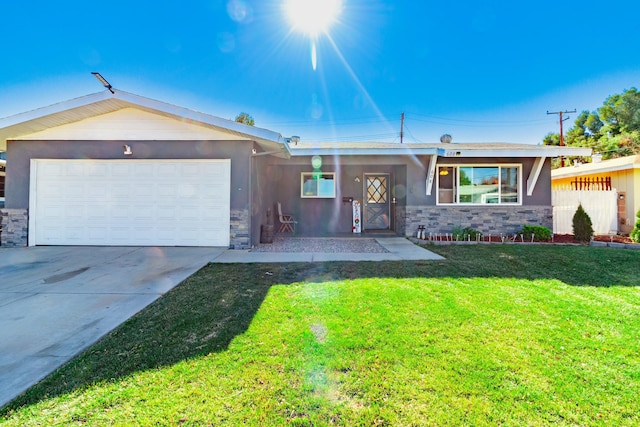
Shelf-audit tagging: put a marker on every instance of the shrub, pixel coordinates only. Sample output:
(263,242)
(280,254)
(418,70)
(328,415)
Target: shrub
(539,233)
(466,233)
(635,233)
(582,226)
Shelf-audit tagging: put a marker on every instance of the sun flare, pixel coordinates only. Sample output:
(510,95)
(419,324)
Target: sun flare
(312,17)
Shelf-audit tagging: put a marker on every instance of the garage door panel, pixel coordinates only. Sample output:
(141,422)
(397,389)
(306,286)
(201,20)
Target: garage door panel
(166,191)
(131,202)
(95,233)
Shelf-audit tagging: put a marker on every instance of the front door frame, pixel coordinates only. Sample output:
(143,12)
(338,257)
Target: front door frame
(365,208)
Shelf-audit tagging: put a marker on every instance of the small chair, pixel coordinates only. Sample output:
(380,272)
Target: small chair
(287,221)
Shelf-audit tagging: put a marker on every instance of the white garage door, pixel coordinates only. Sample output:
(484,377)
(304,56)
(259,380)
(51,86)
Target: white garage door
(130,202)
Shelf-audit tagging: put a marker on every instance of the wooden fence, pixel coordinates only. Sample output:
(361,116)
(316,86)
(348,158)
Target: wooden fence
(591,183)
(600,205)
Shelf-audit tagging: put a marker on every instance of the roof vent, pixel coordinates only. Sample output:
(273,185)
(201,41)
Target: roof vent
(446,138)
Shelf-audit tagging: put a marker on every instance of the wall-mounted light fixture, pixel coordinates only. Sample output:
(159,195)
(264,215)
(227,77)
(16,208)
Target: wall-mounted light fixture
(104,81)
(127,150)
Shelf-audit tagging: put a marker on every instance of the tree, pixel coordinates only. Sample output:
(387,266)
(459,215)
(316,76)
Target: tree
(245,119)
(612,130)
(586,130)
(621,112)
(582,226)
(551,139)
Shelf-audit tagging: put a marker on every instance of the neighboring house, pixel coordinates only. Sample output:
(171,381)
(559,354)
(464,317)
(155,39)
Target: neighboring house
(621,174)
(120,169)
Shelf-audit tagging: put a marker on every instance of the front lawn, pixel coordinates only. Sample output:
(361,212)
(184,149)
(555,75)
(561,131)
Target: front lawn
(494,335)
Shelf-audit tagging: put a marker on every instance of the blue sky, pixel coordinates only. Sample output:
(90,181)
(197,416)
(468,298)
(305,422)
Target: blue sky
(482,71)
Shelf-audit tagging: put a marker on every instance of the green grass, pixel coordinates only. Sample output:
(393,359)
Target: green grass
(495,335)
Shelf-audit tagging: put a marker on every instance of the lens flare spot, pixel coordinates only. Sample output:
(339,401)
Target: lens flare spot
(239,11)
(314,55)
(316,162)
(315,108)
(226,42)
(399,191)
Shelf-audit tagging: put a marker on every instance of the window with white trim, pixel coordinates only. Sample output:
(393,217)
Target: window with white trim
(318,185)
(480,184)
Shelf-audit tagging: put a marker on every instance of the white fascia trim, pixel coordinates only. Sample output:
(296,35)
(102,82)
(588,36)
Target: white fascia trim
(533,152)
(362,152)
(535,174)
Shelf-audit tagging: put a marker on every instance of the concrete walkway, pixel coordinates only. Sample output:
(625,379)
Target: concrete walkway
(400,249)
(57,301)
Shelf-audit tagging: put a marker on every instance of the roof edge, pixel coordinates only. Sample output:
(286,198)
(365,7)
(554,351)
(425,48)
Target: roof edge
(253,132)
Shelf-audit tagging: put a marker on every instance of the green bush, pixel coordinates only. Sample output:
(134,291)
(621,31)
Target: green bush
(539,233)
(635,233)
(466,233)
(582,226)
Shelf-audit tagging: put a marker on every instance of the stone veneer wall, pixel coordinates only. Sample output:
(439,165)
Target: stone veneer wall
(486,219)
(239,231)
(15,228)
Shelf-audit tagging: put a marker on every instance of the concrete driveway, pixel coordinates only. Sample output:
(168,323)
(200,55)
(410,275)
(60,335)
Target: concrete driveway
(57,301)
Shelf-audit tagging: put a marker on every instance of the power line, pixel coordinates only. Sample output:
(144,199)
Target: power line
(408,116)
(475,121)
(355,138)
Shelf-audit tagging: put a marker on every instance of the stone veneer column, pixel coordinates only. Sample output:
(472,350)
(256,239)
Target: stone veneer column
(15,228)
(239,232)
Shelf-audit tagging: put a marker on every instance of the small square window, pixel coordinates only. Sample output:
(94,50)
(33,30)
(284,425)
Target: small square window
(318,185)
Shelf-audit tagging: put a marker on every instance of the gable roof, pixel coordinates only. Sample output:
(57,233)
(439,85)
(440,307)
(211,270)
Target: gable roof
(105,102)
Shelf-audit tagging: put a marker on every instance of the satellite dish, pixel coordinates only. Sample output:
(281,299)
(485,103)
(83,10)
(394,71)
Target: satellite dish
(446,138)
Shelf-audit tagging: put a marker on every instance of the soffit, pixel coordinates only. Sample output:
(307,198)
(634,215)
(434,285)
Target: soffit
(605,166)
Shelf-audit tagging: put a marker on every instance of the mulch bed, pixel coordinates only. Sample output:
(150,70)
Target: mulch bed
(568,238)
(557,238)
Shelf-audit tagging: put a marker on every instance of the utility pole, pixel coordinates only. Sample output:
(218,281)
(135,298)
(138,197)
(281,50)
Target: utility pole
(561,131)
(401,128)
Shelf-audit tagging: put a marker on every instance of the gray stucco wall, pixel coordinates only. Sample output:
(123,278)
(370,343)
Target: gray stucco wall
(408,183)
(263,188)
(19,154)
(331,215)
(417,183)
